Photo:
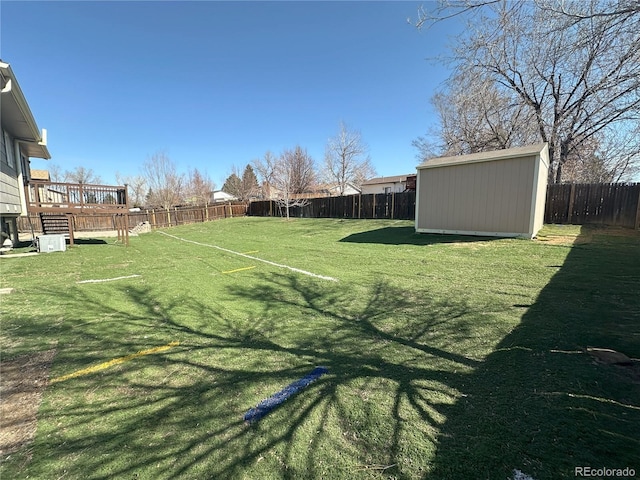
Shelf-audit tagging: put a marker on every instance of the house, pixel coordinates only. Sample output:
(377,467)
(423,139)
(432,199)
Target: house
(317,191)
(333,189)
(20,139)
(329,190)
(220,197)
(55,206)
(500,193)
(395,184)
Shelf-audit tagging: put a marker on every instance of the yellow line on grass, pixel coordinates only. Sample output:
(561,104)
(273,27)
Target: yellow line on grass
(252,251)
(239,269)
(111,363)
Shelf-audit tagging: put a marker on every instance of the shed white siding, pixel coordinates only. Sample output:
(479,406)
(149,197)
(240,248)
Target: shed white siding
(493,193)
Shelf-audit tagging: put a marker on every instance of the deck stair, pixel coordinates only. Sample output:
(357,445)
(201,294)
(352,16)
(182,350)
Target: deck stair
(57,223)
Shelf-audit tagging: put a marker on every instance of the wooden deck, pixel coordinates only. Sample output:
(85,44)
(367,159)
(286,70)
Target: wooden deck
(76,198)
(56,202)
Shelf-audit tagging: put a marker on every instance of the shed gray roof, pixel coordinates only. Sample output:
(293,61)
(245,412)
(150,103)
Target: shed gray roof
(485,156)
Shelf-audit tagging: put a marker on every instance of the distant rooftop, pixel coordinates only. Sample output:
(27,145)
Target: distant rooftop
(393,179)
(42,175)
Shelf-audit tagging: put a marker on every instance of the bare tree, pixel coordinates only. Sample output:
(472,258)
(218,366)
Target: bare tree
(199,188)
(346,159)
(584,10)
(474,116)
(136,187)
(82,175)
(578,76)
(300,166)
(164,182)
(608,161)
(284,177)
(55,173)
(265,168)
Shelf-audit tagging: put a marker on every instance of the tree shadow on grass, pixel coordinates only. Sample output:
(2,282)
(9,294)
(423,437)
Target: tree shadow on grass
(407,394)
(539,403)
(408,236)
(178,413)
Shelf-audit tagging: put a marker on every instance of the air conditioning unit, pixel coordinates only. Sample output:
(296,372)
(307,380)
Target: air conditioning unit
(52,243)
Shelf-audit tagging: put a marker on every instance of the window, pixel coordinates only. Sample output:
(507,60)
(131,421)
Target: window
(387,190)
(8,144)
(3,151)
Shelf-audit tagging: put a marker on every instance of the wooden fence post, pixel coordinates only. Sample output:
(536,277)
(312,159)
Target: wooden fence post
(374,206)
(572,195)
(637,226)
(393,203)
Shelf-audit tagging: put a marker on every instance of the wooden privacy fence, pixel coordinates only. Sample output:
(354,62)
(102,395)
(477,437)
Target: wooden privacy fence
(401,206)
(172,217)
(616,204)
(157,218)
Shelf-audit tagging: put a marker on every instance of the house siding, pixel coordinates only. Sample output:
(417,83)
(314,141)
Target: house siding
(396,187)
(10,200)
(9,194)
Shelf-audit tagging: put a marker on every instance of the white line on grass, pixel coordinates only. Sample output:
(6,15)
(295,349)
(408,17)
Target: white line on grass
(108,279)
(297,270)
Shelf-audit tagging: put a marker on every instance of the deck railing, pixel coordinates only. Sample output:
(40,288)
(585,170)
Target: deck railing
(57,197)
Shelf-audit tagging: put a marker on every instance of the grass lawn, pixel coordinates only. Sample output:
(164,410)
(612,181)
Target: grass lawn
(448,357)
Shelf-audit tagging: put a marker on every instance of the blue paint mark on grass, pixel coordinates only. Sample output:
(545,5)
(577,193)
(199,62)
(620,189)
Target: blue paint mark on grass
(268,404)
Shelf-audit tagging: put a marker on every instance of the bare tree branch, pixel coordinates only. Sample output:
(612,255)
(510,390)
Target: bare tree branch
(346,159)
(165,183)
(573,66)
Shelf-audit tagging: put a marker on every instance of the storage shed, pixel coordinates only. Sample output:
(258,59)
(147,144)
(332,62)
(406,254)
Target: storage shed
(500,193)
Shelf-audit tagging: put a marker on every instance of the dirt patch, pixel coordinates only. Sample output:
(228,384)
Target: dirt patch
(591,234)
(567,240)
(22,383)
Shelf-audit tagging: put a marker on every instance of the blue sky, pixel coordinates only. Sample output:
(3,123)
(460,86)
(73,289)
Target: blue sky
(217,84)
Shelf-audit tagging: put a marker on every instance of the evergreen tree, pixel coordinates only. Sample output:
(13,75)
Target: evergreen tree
(250,185)
(233,185)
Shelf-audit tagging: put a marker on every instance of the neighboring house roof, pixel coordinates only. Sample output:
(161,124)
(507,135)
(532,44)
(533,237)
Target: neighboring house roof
(393,179)
(42,175)
(483,156)
(17,118)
